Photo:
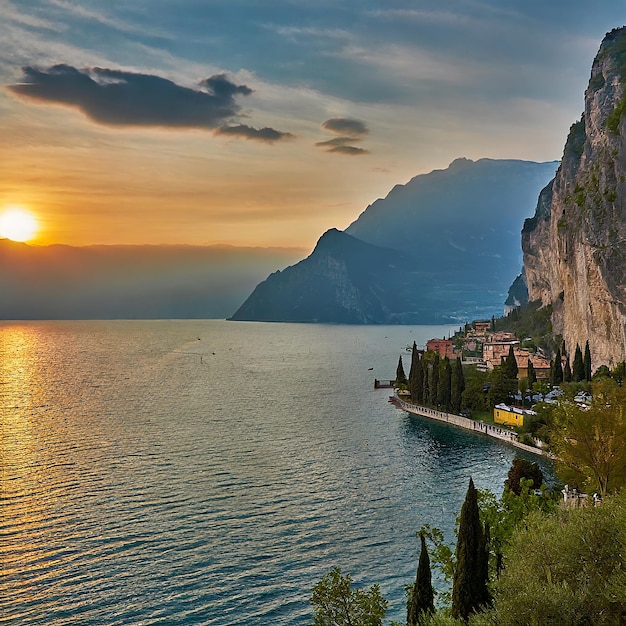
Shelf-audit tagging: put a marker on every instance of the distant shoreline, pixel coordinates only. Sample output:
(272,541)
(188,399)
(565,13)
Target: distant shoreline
(476,426)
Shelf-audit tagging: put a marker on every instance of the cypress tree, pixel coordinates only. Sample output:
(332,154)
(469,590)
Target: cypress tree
(425,377)
(532,375)
(444,384)
(469,585)
(510,364)
(557,368)
(433,380)
(416,377)
(587,361)
(422,599)
(400,375)
(578,371)
(567,372)
(457,385)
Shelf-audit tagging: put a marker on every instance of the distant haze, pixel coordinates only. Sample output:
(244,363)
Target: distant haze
(149,282)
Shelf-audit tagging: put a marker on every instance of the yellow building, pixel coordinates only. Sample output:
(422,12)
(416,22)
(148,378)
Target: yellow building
(510,415)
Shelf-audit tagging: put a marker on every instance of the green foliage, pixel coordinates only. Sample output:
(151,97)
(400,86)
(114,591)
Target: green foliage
(444,384)
(531,320)
(523,469)
(590,442)
(615,116)
(578,370)
(416,377)
(510,365)
(422,596)
(502,387)
(457,385)
(336,603)
(400,375)
(557,369)
(566,568)
(469,585)
(587,361)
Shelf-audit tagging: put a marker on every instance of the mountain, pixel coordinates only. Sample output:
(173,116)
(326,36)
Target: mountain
(132,282)
(346,281)
(575,245)
(456,231)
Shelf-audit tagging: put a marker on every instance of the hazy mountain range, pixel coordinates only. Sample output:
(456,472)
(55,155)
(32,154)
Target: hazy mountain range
(133,282)
(458,231)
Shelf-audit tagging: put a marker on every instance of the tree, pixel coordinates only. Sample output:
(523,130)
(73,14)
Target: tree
(532,375)
(469,586)
(335,603)
(444,384)
(433,380)
(587,361)
(567,371)
(510,365)
(521,468)
(422,597)
(566,568)
(590,442)
(578,369)
(416,377)
(501,387)
(557,369)
(400,375)
(457,385)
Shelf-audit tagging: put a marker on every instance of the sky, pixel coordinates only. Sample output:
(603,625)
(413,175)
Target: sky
(267,122)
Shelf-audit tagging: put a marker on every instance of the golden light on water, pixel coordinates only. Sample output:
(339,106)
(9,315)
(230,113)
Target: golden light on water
(18,224)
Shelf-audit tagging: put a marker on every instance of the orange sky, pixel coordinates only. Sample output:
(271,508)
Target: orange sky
(420,105)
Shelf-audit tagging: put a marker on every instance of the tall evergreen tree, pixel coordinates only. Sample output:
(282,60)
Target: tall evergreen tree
(433,380)
(444,384)
(510,364)
(425,381)
(469,585)
(457,385)
(578,371)
(532,375)
(422,599)
(567,371)
(557,368)
(416,376)
(587,361)
(400,375)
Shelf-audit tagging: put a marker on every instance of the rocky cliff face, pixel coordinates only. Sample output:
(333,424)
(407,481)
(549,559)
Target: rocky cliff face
(575,245)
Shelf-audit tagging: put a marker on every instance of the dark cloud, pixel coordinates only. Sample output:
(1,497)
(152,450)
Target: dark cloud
(351,150)
(337,141)
(346,126)
(119,98)
(266,134)
(349,131)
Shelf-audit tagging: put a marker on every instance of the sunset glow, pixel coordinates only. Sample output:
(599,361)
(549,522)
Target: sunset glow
(18,225)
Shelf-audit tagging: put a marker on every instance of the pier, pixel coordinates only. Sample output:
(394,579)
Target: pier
(490,430)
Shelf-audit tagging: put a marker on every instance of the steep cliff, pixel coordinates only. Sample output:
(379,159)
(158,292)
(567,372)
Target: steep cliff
(575,245)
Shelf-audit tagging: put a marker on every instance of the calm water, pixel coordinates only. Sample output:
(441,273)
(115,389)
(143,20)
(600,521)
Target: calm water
(210,472)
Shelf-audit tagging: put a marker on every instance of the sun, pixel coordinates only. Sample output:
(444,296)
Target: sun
(18,224)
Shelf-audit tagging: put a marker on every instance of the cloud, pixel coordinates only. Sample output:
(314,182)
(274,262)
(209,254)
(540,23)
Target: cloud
(121,98)
(348,130)
(269,135)
(350,150)
(346,126)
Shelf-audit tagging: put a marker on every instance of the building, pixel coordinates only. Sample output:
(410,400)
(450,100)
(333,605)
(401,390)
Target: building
(495,351)
(482,328)
(443,347)
(511,415)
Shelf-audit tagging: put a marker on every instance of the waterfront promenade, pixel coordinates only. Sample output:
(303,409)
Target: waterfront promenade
(490,430)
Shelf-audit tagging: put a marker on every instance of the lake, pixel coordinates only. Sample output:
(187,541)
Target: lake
(210,472)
